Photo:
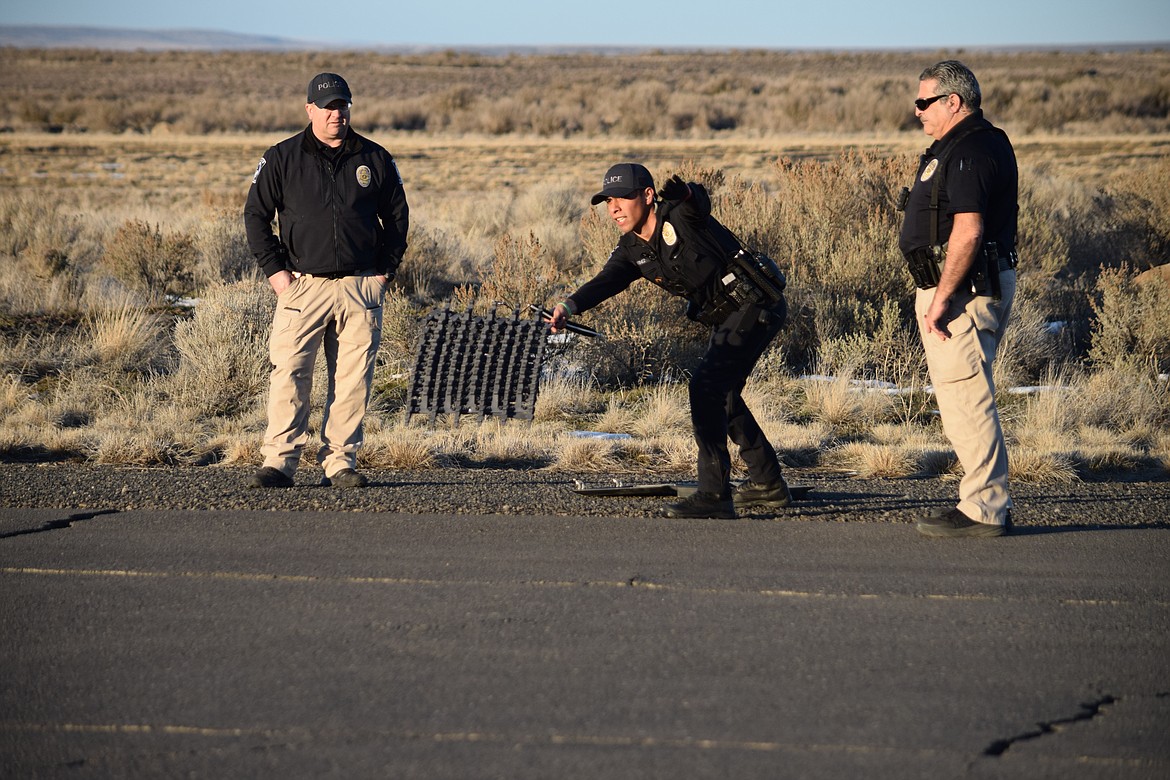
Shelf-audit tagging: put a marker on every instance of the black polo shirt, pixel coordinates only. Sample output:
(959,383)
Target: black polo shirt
(979,174)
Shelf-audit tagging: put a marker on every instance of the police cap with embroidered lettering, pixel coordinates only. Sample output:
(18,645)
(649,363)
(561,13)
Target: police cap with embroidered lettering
(623,180)
(327,87)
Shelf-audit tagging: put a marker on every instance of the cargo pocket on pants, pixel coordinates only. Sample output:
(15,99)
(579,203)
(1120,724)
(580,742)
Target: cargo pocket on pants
(959,357)
(285,326)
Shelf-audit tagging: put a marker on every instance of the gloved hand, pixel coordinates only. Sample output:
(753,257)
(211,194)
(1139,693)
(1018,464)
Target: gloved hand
(674,189)
(559,318)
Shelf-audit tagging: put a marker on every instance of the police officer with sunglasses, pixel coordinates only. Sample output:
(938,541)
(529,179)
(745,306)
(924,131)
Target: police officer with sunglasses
(959,240)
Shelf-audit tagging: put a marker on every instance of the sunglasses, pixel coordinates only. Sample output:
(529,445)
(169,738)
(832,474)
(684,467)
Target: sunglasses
(924,103)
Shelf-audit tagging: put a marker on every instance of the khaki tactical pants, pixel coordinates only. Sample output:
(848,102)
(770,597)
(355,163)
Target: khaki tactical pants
(345,316)
(961,371)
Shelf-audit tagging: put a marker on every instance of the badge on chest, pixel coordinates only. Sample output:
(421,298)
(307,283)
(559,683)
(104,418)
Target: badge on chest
(668,234)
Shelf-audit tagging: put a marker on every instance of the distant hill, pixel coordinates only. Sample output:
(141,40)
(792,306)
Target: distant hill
(57,37)
(129,39)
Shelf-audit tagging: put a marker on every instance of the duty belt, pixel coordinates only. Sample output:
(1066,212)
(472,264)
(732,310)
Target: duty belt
(925,266)
(750,279)
(334,274)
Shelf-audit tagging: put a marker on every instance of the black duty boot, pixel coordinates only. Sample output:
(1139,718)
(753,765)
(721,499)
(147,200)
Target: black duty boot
(954,523)
(268,477)
(347,478)
(702,504)
(774,494)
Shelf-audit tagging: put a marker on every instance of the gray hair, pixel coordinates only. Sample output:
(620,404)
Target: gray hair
(955,77)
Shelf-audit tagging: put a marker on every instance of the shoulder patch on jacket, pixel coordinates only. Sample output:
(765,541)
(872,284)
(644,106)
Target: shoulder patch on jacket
(259,167)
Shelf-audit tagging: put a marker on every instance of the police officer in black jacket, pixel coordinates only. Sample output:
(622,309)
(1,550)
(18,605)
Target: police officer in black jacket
(674,242)
(343,221)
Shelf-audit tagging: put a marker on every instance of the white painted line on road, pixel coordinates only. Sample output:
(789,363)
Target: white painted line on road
(634,584)
(591,740)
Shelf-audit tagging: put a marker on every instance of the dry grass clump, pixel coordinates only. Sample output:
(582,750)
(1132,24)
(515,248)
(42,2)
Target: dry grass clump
(124,340)
(772,395)
(400,449)
(587,456)
(659,454)
(1160,450)
(223,350)
(144,258)
(656,455)
(799,444)
(138,430)
(496,443)
(566,397)
(1027,465)
(1110,420)
(618,417)
(664,410)
(1123,398)
(937,460)
(1132,320)
(847,408)
(895,450)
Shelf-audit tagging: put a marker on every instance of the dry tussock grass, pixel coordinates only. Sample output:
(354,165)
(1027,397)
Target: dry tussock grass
(843,406)
(587,456)
(567,397)
(937,461)
(658,455)
(662,412)
(1027,465)
(874,460)
(396,449)
(122,340)
(618,417)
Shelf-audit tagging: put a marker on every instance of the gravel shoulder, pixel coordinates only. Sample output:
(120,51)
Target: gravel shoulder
(1129,499)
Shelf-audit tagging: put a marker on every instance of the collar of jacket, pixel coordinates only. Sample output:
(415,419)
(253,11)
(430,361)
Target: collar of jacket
(959,132)
(351,144)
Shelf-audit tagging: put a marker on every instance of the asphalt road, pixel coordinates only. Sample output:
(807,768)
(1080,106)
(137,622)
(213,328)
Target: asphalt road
(251,643)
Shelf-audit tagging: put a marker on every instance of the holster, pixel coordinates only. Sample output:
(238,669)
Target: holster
(984,275)
(750,279)
(989,264)
(925,265)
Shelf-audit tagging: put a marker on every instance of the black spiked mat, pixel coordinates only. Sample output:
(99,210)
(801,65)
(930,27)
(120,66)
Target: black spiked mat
(482,366)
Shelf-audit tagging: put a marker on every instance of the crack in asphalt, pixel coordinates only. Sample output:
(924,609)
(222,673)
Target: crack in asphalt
(1088,711)
(57,525)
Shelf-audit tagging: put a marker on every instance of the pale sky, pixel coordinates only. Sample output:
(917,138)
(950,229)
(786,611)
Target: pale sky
(817,24)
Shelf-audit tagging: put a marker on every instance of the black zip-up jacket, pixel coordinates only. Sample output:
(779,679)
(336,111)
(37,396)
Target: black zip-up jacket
(685,255)
(341,215)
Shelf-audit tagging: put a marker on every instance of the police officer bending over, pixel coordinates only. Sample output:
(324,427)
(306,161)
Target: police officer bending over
(675,243)
(959,239)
